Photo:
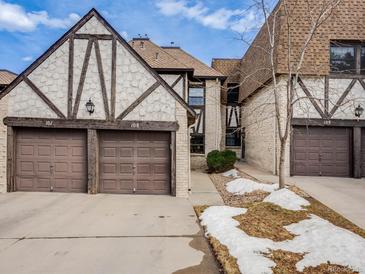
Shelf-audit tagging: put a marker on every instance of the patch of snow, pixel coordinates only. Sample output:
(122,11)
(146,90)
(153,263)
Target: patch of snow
(242,185)
(231,173)
(323,241)
(318,238)
(219,224)
(287,199)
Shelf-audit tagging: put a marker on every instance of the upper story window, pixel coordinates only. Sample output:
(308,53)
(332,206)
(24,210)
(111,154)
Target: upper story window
(196,96)
(232,94)
(347,58)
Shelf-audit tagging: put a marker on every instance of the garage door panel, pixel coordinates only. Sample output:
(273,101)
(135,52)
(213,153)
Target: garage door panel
(321,151)
(142,162)
(58,158)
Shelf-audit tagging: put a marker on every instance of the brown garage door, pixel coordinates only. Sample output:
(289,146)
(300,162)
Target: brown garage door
(319,151)
(51,160)
(135,162)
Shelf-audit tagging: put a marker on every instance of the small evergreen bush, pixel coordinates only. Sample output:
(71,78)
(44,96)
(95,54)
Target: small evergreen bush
(221,161)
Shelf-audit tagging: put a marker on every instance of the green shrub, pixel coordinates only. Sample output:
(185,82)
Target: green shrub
(221,161)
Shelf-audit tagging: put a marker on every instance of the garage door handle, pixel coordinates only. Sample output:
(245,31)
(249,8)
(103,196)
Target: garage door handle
(320,157)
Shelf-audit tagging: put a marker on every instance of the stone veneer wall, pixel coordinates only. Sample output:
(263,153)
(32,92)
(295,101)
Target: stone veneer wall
(182,153)
(3,138)
(213,125)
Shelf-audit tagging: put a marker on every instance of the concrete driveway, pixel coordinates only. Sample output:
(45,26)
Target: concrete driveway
(80,233)
(344,195)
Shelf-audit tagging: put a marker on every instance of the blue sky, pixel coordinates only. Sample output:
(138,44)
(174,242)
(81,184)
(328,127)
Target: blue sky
(206,29)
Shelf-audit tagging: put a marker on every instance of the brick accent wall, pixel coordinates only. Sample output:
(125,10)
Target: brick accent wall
(259,122)
(3,138)
(213,126)
(182,153)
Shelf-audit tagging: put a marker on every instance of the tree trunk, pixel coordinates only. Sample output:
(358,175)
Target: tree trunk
(282,164)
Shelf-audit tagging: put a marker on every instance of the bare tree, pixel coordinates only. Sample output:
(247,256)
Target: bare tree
(284,100)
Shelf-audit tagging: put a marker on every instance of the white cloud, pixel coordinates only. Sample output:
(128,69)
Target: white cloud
(14,18)
(233,19)
(27,58)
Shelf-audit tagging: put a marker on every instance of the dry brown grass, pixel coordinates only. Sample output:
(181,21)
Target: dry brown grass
(285,263)
(266,220)
(228,263)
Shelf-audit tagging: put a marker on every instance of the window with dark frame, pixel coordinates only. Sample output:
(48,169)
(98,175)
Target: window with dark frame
(197,101)
(347,58)
(197,143)
(232,94)
(233,137)
(196,96)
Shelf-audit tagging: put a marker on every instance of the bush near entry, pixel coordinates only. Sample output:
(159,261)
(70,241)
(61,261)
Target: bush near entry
(221,161)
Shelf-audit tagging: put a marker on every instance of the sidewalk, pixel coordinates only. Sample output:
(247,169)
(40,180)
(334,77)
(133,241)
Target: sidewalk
(344,195)
(203,191)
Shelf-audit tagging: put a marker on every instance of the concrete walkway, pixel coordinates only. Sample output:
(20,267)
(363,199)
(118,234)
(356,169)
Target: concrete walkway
(78,233)
(344,195)
(203,191)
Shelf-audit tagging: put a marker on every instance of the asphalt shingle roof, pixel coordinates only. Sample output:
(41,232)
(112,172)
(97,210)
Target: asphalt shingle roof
(6,77)
(171,58)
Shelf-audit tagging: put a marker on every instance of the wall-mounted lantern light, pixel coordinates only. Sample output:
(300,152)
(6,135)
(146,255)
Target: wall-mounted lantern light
(90,106)
(358,111)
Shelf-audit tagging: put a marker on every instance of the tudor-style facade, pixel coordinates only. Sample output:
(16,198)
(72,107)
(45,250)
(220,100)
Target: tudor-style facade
(327,138)
(230,109)
(201,90)
(90,115)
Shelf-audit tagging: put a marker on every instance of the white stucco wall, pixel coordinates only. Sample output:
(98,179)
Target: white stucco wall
(305,109)
(170,79)
(52,75)
(132,79)
(213,125)
(158,106)
(93,26)
(355,97)
(24,102)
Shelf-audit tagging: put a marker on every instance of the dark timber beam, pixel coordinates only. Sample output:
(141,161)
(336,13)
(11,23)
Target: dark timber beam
(91,124)
(342,98)
(92,161)
(327,122)
(92,36)
(311,98)
(82,78)
(114,78)
(173,163)
(102,79)
(139,100)
(357,152)
(43,97)
(10,158)
(70,76)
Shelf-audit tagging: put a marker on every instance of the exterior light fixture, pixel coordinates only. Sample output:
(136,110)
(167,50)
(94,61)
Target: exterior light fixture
(359,111)
(90,107)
